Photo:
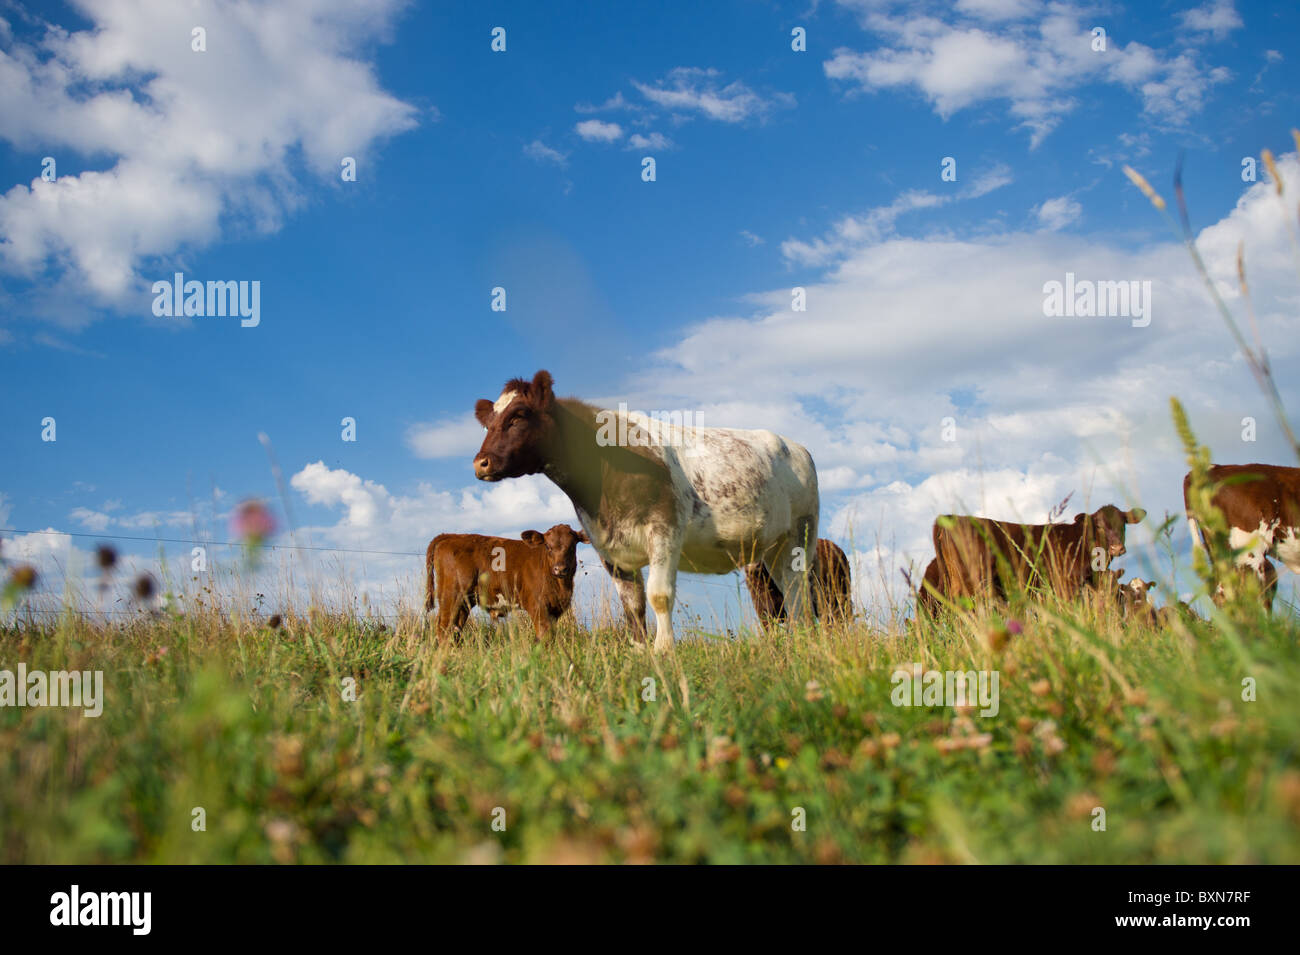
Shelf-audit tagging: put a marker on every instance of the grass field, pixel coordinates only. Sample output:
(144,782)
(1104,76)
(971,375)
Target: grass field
(252,725)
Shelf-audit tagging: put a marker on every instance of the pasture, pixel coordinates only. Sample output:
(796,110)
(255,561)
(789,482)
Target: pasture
(587,749)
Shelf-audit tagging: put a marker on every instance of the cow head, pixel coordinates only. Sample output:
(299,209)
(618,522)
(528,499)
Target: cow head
(1107,527)
(519,425)
(561,543)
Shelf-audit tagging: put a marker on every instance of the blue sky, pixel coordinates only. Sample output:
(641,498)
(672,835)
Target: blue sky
(522,169)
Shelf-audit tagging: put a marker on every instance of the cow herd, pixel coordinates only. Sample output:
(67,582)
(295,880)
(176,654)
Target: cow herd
(663,498)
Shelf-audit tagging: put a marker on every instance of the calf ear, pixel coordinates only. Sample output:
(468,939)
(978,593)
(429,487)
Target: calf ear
(483,410)
(532,537)
(583,538)
(1135,516)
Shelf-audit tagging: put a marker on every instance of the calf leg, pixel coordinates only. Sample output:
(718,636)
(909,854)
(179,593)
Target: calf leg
(631,592)
(792,569)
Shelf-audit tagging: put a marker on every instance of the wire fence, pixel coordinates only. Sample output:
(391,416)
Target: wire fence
(730,586)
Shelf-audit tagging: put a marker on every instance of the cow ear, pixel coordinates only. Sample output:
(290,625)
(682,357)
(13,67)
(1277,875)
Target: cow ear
(541,390)
(483,410)
(583,538)
(532,537)
(1135,516)
(1080,518)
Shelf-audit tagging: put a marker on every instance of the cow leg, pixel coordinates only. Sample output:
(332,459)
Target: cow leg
(631,592)
(449,599)
(661,585)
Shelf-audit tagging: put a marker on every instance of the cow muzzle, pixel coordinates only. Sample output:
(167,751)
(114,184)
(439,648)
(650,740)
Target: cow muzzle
(483,469)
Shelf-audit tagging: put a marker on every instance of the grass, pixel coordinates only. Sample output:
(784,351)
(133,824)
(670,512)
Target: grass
(251,725)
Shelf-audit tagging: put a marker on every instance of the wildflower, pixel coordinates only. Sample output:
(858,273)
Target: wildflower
(722,750)
(1081,805)
(143,588)
(24,577)
(812,691)
(105,557)
(274,621)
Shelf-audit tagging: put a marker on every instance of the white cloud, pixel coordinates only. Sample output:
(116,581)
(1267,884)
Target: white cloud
(599,131)
(91,520)
(695,91)
(750,238)
(615,102)
(1056,214)
(450,438)
(656,141)
(194,142)
(543,153)
(1034,59)
(855,230)
(1218,18)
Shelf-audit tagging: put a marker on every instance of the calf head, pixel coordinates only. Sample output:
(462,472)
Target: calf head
(519,427)
(1105,528)
(561,543)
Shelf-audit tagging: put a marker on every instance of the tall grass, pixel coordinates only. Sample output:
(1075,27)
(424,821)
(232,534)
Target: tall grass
(251,725)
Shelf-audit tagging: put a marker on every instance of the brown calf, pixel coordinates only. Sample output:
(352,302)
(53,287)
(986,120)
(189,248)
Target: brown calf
(929,595)
(534,574)
(979,557)
(832,595)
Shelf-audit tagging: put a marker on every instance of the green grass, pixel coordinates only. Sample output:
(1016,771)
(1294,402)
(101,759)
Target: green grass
(251,725)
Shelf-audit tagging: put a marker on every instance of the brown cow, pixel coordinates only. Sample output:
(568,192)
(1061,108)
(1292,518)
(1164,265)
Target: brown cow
(980,557)
(1261,504)
(534,574)
(832,595)
(1135,602)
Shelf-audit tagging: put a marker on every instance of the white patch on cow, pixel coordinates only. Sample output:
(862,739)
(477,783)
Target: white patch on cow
(502,403)
(1288,549)
(1254,544)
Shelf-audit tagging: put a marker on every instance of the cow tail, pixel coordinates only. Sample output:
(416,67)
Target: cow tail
(1198,538)
(429,576)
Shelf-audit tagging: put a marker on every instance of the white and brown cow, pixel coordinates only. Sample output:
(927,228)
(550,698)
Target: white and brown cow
(1261,504)
(652,494)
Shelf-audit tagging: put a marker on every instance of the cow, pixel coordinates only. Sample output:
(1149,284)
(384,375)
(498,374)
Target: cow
(534,574)
(653,494)
(832,598)
(1261,505)
(980,557)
